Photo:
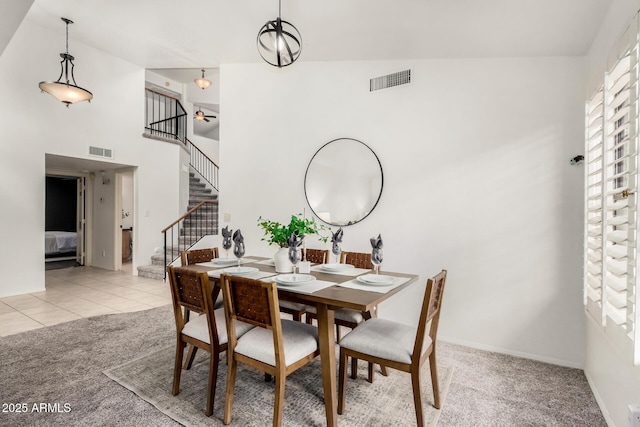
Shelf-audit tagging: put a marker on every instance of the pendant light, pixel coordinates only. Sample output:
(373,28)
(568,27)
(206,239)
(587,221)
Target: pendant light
(279,42)
(66,91)
(201,82)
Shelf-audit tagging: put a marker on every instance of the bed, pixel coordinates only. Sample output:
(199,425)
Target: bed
(60,243)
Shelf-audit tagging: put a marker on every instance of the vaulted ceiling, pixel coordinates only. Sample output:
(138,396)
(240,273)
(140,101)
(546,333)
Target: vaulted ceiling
(207,33)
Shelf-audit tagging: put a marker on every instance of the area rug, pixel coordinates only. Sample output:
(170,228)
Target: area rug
(388,401)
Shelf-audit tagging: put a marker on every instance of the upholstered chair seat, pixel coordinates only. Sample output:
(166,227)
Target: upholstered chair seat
(384,339)
(399,346)
(275,346)
(299,340)
(342,314)
(206,328)
(197,327)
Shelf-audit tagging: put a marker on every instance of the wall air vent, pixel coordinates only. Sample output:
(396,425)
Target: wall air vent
(100,152)
(390,80)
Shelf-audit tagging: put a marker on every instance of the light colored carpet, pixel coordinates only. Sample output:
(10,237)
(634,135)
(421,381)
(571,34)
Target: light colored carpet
(65,363)
(388,401)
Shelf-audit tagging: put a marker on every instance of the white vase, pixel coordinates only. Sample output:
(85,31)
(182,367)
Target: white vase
(281,260)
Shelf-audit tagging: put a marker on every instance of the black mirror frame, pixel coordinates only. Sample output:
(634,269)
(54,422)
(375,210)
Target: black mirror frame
(381,181)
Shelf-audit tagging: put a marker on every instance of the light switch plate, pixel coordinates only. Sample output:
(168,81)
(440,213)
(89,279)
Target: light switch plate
(634,415)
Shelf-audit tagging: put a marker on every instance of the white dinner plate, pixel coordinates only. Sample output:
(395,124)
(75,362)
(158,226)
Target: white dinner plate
(375,280)
(294,280)
(335,267)
(225,261)
(239,271)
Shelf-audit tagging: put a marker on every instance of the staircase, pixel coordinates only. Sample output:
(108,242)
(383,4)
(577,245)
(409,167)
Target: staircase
(202,222)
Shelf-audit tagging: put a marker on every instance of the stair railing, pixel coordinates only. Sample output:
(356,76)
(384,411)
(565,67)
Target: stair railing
(201,163)
(182,233)
(165,116)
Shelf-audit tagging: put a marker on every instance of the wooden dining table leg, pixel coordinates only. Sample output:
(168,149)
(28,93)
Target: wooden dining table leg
(328,360)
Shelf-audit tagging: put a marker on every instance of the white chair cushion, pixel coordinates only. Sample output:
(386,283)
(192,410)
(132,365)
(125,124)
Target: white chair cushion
(299,340)
(385,339)
(349,315)
(292,305)
(346,314)
(197,327)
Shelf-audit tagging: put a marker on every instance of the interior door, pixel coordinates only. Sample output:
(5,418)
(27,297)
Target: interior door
(81,210)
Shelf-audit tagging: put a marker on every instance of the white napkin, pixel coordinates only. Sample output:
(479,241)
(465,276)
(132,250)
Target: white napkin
(355,284)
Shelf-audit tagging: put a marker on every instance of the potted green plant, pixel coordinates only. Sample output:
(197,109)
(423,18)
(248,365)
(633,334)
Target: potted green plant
(277,233)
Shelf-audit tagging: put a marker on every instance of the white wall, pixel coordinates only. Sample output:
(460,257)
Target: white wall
(13,12)
(34,124)
(104,216)
(614,379)
(477,180)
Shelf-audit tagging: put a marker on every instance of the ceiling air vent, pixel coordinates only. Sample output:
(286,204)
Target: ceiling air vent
(390,80)
(100,152)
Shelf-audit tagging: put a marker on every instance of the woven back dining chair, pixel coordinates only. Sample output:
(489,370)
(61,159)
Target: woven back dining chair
(399,346)
(295,309)
(347,317)
(190,257)
(316,256)
(191,290)
(195,256)
(357,259)
(275,346)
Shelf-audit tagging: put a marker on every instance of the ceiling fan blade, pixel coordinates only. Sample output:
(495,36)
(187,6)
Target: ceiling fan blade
(205,119)
(213,117)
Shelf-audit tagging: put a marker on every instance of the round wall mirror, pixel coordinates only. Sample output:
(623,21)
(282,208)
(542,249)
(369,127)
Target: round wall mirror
(343,182)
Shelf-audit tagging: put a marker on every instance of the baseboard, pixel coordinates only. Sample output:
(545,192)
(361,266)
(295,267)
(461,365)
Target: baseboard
(601,405)
(551,360)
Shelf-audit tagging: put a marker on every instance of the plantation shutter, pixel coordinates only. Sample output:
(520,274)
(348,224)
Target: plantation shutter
(611,199)
(593,221)
(620,172)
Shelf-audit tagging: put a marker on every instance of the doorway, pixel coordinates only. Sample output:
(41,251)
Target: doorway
(65,221)
(124,180)
(99,207)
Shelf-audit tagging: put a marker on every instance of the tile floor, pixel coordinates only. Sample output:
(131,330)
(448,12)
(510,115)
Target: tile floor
(76,292)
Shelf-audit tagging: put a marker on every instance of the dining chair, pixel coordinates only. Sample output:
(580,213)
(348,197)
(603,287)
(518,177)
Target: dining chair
(316,256)
(275,346)
(297,310)
(357,259)
(190,257)
(346,316)
(195,256)
(399,346)
(192,290)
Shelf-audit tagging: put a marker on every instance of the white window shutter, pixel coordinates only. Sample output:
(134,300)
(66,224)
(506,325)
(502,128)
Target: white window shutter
(593,205)
(611,200)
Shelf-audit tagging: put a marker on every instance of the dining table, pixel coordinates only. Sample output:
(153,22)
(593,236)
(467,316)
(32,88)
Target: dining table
(330,290)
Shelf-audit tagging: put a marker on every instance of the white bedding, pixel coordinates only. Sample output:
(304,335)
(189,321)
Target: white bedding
(60,241)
